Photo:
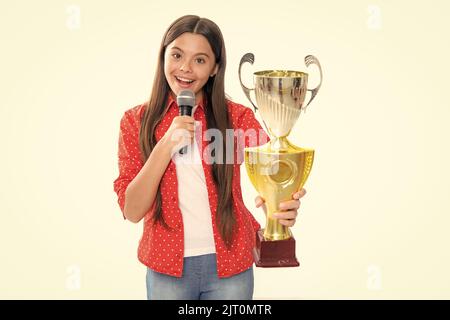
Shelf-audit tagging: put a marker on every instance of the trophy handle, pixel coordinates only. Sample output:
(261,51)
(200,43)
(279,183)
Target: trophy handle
(248,57)
(310,59)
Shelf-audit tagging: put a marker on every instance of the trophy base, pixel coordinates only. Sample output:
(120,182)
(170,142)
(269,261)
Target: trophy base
(274,254)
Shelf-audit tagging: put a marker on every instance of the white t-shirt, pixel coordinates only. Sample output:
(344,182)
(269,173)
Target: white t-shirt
(193,200)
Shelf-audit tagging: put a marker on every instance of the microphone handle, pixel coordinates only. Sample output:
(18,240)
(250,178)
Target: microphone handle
(185,111)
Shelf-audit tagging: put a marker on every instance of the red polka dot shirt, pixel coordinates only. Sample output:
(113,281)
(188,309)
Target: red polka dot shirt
(160,249)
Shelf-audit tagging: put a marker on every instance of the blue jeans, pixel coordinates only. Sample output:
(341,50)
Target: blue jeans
(199,282)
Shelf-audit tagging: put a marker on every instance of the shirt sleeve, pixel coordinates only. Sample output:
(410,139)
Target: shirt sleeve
(129,156)
(254,135)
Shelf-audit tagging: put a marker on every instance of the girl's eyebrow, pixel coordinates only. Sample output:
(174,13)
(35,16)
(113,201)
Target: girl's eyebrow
(197,54)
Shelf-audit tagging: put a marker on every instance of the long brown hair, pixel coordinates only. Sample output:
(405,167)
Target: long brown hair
(216,116)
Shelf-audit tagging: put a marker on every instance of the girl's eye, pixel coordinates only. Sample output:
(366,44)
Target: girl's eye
(200,60)
(176,56)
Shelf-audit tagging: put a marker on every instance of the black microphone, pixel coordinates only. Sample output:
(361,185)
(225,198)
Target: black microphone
(185,101)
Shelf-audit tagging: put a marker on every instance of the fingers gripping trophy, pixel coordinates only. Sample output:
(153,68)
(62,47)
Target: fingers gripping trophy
(279,168)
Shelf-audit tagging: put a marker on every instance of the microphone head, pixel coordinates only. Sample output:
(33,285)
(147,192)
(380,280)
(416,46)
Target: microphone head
(186,98)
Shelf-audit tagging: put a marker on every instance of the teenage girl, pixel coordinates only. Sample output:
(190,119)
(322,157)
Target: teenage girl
(198,235)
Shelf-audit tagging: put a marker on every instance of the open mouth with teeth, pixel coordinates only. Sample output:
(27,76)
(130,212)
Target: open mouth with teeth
(184,81)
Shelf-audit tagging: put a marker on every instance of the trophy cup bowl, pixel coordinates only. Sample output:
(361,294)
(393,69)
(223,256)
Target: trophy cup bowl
(278,168)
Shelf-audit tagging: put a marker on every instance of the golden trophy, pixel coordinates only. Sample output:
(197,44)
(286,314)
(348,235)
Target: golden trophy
(278,168)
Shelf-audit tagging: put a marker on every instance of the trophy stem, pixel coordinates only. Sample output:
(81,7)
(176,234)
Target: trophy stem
(279,144)
(275,230)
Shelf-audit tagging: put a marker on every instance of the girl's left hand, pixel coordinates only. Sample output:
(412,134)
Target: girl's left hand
(288,209)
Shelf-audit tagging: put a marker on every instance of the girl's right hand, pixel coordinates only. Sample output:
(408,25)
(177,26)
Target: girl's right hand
(180,133)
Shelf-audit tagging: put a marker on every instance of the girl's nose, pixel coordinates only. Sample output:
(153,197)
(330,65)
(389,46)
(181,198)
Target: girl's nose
(185,67)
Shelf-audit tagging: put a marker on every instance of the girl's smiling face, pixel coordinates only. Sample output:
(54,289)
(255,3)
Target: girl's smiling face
(188,63)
